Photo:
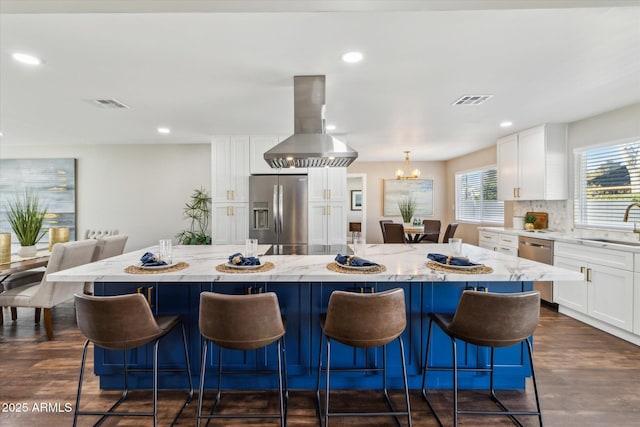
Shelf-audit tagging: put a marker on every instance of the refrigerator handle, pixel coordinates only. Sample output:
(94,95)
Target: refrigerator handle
(280,206)
(275,209)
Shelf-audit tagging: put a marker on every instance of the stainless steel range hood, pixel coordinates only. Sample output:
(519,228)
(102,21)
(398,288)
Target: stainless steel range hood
(310,146)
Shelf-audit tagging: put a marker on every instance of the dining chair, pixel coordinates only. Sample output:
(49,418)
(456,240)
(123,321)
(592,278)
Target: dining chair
(449,232)
(106,247)
(48,294)
(431,233)
(394,233)
(486,319)
(382,223)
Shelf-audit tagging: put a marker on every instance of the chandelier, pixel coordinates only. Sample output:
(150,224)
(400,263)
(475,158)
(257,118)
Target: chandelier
(406,172)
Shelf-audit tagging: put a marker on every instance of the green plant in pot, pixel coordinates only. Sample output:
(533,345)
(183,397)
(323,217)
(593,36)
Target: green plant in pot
(407,207)
(26,215)
(528,221)
(198,210)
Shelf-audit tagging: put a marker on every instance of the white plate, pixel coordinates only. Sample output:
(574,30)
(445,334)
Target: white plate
(458,267)
(356,267)
(156,267)
(243,267)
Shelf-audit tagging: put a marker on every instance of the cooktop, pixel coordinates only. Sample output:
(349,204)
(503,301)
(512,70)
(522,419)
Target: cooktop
(309,250)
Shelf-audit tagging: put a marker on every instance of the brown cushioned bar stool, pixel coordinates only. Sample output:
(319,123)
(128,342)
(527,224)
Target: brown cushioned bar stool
(241,322)
(363,321)
(124,322)
(490,320)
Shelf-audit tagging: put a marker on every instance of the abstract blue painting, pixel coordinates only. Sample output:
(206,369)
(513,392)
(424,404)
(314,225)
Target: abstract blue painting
(53,180)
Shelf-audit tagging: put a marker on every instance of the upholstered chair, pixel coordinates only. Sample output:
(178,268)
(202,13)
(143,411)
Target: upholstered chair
(46,295)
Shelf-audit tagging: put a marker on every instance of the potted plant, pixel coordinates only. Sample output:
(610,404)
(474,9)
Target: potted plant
(198,210)
(528,221)
(407,207)
(26,216)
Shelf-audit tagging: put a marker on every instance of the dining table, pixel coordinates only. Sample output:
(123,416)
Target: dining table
(414,233)
(18,264)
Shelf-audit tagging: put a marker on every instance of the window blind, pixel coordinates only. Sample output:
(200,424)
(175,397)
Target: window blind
(607,180)
(477,197)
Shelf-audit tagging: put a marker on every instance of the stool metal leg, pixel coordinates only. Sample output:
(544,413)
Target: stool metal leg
(203,368)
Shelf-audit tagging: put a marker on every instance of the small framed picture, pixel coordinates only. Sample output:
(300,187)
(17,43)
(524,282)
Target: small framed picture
(356,200)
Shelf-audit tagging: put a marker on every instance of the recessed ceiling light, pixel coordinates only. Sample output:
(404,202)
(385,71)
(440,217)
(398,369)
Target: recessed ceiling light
(352,57)
(505,124)
(164,130)
(331,127)
(26,58)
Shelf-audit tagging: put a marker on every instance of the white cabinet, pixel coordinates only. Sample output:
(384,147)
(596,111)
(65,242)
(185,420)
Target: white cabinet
(230,223)
(230,189)
(258,144)
(636,296)
(571,294)
(505,243)
(230,169)
(608,283)
(327,205)
(532,164)
(327,184)
(327,223)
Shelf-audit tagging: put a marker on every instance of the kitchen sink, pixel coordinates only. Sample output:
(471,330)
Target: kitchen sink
(615,242)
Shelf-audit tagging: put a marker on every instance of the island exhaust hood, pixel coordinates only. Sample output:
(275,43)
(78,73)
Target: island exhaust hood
(310,146)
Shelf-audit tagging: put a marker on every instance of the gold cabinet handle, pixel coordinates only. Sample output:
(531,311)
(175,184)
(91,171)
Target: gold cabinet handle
(329,194)
(149,289)
(588,275)
(233,194)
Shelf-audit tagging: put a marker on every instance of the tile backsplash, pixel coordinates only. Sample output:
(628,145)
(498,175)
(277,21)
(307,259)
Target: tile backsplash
(561,219)
(560,216)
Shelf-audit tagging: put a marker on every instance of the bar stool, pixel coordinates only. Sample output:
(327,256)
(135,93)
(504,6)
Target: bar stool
(363,321)
(490,320)
(241,322)
(124,322)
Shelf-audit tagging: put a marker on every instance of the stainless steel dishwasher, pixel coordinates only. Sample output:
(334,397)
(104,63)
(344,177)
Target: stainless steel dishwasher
(540,250)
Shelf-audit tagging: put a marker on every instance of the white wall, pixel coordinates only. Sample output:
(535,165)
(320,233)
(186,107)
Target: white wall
(138,189)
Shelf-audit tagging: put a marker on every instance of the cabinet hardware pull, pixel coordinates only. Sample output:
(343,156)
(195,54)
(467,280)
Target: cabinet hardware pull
(250,290)
(149,296)
(373,291)
(329,194)
(514,192)
(588,275)
(361,290)
(233,212)
(139,290)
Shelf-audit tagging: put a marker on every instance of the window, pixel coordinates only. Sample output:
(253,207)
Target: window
(607,181)
(477,197)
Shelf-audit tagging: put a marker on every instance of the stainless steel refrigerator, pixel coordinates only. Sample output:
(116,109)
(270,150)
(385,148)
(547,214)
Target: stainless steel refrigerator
(278,209)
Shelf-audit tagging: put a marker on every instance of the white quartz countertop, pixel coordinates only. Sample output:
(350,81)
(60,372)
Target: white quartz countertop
(403,262)
(594,239)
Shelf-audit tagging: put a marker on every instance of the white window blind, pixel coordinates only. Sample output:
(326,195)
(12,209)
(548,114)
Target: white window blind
(607,181)
(477,197)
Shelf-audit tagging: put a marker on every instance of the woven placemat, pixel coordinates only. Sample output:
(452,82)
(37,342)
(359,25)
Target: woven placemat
(134,269)
(338,269)
(223,268)
(481,269)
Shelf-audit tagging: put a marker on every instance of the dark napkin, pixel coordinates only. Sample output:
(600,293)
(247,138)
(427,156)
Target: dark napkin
(238,259)
(449,260)
(150,260)
(354,261)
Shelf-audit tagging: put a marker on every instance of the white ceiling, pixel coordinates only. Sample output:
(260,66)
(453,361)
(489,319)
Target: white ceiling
(208,72)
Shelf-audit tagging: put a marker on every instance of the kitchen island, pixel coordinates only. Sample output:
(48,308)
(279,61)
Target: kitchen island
(303,285)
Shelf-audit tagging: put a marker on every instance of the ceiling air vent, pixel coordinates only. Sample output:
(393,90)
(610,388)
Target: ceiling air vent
(108,103)
(471,100)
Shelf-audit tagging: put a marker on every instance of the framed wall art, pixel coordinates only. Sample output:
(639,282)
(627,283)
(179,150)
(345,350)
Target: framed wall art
(53,180)
(356,200)
(420,190)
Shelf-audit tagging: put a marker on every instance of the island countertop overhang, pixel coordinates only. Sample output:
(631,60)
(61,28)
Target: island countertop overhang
(403,262)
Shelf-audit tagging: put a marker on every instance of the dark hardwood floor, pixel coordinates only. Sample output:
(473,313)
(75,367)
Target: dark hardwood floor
(587,378)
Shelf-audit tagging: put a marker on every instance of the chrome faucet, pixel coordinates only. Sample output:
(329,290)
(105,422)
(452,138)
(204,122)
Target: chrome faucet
(626,217)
